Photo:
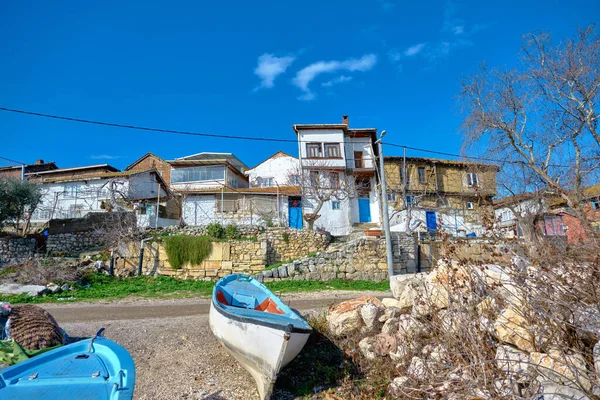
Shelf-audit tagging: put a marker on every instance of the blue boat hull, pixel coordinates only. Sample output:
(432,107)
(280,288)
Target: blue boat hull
(94,369)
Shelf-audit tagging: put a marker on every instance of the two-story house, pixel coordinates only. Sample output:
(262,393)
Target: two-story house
(338,175)
(436,193)
(75,192)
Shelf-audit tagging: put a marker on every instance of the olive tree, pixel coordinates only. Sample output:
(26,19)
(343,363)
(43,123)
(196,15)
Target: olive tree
(18,200)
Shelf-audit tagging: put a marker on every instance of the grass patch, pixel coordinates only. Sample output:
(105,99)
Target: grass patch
(182,249)
(104,287)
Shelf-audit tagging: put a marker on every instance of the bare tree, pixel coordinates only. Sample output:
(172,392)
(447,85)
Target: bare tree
(321,182)
(540,120)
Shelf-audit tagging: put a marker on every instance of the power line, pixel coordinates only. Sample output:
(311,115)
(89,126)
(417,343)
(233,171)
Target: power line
(144,128)
(14,161)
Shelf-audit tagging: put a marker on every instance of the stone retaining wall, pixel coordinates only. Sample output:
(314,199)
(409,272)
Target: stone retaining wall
(13,249)
(360,259)
(67,243)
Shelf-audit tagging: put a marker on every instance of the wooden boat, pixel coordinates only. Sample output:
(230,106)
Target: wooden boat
(257,328)
(95,368)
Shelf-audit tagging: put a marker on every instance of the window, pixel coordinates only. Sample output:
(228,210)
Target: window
(266,182)
(358,159)
(553,226)
(596,204)
(470,205)
(335,205)
(472,179)
(410,200)
(334,180)
(295,179)
(72,190)
(197,174)
(421,171)
(332,150)
(314,150)
(391,196)
(314,178)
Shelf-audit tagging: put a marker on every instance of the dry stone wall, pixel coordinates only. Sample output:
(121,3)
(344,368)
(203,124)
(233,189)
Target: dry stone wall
(360,259)
(14,249)
(68,243)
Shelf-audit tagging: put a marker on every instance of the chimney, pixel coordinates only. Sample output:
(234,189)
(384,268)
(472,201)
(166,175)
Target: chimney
(345,120)
(39,162)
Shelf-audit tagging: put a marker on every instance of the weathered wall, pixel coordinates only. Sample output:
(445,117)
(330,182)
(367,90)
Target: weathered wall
(285,244)
(68,243)
(12,249)
(360,259)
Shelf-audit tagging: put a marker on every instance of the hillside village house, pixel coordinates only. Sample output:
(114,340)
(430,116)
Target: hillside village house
(151,161)
(26,170)
(425,194)
(332,155)
(553,217)
(278,170)
(75,192)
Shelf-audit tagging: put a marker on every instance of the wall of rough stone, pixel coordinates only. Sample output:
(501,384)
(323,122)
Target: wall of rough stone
(14,249)
(360,259)
(68,243)
(284,244)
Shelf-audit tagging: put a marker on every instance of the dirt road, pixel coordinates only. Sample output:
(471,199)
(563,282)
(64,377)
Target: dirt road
(175,353)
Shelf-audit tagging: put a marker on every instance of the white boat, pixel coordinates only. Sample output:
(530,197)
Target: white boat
(257,328)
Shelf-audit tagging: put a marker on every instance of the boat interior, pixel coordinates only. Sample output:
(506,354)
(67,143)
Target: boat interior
(248,296)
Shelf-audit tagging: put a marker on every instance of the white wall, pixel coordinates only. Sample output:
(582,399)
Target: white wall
(362,144)
(199,210)
(447,222)
(279,168)
(322,136)
(143,186)
(336,222)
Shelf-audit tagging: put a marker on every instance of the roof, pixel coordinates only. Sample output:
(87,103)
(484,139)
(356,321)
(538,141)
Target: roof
(276,155)
(440,161)
(83,168)
(142,158)
(551,199)
(273,190)
(32,167)
(513,199)
(230,158)
(101,175)
(352,132)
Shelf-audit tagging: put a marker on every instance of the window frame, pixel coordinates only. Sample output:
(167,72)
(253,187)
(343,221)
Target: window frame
(314,178)
(314,145)
(422,177)
(334,183)
(336,205)
(472,206)
(332,146)
(470,181)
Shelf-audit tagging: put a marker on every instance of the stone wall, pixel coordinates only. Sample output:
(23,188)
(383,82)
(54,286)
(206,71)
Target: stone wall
(284,244)
(68,243)
(360,259)
(13,249)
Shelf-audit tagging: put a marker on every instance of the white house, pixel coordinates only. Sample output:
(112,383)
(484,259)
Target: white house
(75,192)
(332,156)
(278,170)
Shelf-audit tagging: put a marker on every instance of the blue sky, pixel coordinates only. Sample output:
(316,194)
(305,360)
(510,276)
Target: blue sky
(250,69)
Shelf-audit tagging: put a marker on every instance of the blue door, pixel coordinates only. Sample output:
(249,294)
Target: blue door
(295,213)
(431,221)
(364,209)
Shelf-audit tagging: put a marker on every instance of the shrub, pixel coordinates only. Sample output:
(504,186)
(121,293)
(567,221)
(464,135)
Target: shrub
(286,237)
(181,249)
(231,231)
(215,230)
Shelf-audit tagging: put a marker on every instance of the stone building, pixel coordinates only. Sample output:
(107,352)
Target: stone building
(447,193)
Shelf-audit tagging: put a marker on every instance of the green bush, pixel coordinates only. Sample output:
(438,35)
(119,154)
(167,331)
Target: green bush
(181,249)
(286,237)
(231,231)
(215,230)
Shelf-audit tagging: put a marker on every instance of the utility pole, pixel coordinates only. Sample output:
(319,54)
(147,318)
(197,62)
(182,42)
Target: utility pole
(386,217)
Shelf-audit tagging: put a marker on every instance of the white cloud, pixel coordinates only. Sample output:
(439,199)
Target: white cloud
(335,81)
(306,75)
(104,157)
(394,56)
(414,50)
(458,29)
(269,67)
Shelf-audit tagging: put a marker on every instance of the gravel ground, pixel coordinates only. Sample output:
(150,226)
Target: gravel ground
(176,355)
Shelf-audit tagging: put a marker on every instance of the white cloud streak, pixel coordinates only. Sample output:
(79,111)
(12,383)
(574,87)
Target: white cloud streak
(270,67)
(104,157)
(414,50)
(335,81)
(307,74)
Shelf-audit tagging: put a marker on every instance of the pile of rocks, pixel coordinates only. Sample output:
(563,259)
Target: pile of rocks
(461,332)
